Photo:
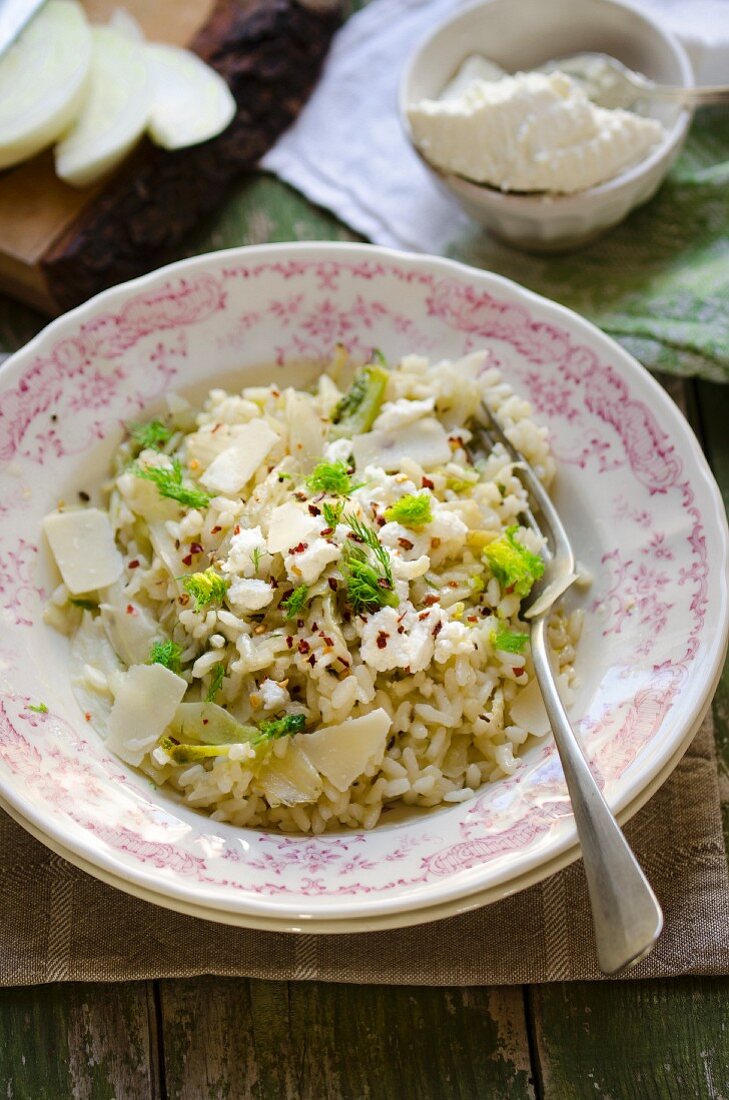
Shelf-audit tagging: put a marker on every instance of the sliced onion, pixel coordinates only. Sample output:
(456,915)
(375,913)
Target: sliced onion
(43,80)
(192,103)
(115,114)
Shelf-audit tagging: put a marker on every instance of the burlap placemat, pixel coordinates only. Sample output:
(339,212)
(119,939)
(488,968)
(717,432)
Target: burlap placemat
(58,923)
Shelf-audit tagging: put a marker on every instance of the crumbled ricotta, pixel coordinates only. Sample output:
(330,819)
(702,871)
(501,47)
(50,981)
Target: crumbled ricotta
(273,695)
(384,647)
(306,566)
(530,132)
(244,547)
(446,533)
(250,595)
(338,450)
(394,414)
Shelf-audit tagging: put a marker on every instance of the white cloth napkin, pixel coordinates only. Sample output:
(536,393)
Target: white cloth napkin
(347,151)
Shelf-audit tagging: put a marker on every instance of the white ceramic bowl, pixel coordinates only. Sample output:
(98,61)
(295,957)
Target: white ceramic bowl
(633,489)
(520,35)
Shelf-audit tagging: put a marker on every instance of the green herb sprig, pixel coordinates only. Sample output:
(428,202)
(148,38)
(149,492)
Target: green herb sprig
(367,568)
(207,587)
(150,436)
(166,653)
(294,604)
(168,480)
(411,510)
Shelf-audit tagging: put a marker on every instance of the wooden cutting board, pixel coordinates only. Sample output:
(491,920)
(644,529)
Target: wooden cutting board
(60,245)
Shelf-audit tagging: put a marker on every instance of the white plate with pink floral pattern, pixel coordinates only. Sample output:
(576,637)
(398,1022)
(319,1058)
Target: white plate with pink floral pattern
(633,488)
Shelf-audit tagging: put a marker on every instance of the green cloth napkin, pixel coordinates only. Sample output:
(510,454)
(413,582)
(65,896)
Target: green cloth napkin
(659,282)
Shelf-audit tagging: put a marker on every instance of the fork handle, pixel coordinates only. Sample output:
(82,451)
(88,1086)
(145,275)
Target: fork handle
(626,916)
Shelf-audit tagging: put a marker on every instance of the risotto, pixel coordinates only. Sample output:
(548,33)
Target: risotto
(301,608)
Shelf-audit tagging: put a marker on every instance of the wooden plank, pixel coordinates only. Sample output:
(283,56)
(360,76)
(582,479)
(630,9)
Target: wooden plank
(252,1040)
(628,1040)
(78,1042)
(713,402)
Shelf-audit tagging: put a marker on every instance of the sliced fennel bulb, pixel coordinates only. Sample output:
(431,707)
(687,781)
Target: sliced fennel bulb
(192,103)
(115,113)
(43,80)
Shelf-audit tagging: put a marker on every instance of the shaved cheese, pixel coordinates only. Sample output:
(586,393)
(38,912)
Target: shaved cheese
(143,498)
(235,466)
(115,113)
(341,753)
(130,627)
(43,80)
(83,545)
(291,780)
(527,708)
(306,430)
(145,704)
(424,441)
(192,103)
(290,525)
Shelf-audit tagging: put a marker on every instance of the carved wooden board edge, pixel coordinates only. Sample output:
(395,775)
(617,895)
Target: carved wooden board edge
(270,52)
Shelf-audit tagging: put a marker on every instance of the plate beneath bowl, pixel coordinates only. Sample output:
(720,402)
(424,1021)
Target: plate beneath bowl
(633,488)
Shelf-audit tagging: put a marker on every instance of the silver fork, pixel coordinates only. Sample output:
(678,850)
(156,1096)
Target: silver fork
(626,916)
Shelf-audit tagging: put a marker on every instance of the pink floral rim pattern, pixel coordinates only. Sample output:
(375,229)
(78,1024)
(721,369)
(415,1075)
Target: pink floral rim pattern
(78,392)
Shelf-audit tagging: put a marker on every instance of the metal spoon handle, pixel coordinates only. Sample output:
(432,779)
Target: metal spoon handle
(625,912)
(691,97)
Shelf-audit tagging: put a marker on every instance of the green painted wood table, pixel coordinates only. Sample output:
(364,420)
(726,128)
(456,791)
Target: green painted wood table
(235,1038)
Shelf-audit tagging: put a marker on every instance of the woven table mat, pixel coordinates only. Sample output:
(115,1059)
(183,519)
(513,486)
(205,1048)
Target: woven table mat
(57,923)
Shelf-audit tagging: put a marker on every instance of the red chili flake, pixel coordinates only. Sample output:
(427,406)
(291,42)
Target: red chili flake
(427,483)
(131,610)
(380,521)
(312,659)
(382,639)
(300,496)
(195,548)
(184,599)
(299,549)
(205,721)
(401,629)
(303,646)
(332,582)
(134,564)
(187,560)
(423,615)
(430,600)
(236,529)
(437,628)
(314,511)
(453,584)
(315,626)
(216,428)
(177,544)
(405,543)
(289,641)
(214,530)
(327,531)
(347,616)
(273,582)
(355,538)
(472,618)
(87,715)
(275,392)
(343,661)
(327,640)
